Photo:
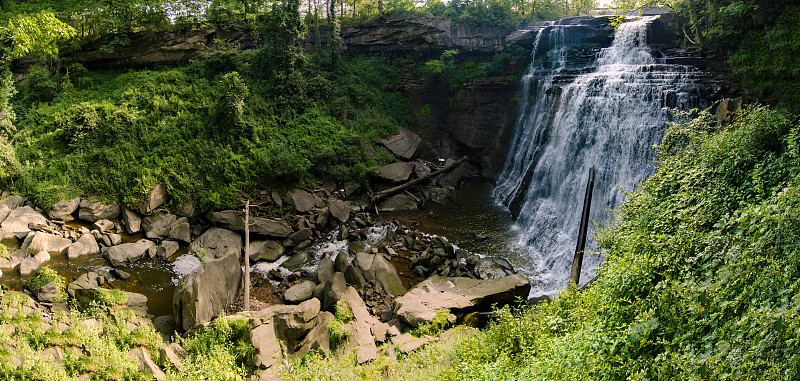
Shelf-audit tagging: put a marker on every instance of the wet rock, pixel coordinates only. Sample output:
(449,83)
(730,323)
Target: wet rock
(63,209)
(297,261)
(301,200)
(339,210)
(129,252)
(441,196)
(398,203)
(90,280)
(85,245)
(157,197)
(322,218)
(300,292)
(158,226)
(181,230)
(218,243)
(167,249)
(405,144)
(454,177)
(93,211)
(124,275)
(103,225)
(29,265)
(49,243)
(297,237)
(132,221)
(419,305)
(17,221)
(395,172)
(165,325)
(493,268)
(383,274)
(267,250)
(207,291)
(421,169)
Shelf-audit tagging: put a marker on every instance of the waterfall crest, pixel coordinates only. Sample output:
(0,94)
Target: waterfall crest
(608,113)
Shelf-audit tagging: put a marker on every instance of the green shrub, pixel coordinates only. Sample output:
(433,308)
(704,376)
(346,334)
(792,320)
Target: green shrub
(45,275)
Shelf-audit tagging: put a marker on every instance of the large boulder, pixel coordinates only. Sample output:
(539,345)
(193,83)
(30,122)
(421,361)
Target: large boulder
(339,209)
(4,211)
(301,200)
(158,226)
(405,144)
(398,203)
(50,243)
(420,304)
(132,221)
(266,250)
(129,252)
(93,211)
(395,172)
(63,209)
(12,202)
(17,221)
(207,291)
(300,292)
(280,330)
(218,243)
(85,245)
(157,197)
(181,230)
(361,338)
(376,269)
(234,220)
(297,237)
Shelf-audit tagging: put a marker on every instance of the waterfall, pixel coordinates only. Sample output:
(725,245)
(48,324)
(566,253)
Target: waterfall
(608,113)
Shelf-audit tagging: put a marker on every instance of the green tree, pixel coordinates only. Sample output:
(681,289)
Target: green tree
(230,110)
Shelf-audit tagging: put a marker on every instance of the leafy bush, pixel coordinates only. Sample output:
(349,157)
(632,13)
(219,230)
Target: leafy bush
(45,275)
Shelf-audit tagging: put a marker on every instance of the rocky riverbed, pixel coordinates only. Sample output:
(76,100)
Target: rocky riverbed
(311,250)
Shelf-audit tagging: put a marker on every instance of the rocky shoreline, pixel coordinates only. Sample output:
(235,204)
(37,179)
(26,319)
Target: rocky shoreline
(401,280)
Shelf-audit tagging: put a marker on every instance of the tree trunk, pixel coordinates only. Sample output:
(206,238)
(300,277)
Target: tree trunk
(380,7)
(247,256)
(701,40)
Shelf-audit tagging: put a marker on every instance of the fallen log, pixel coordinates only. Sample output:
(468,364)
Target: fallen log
(388,192)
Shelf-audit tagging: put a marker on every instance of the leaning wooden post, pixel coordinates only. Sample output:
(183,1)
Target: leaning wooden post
(247,256)
(577,262)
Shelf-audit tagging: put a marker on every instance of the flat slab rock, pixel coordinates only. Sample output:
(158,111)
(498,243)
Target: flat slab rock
(405,144)
(419,305)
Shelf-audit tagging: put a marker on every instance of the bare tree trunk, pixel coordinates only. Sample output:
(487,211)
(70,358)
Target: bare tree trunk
(380,7)
(701,40)
(247,256)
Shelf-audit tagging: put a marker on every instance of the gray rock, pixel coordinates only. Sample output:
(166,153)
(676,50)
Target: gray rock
(441,196)
(493,268)
(334,290)
(4,211)
(93,211)
(323,218)
(47,293)
(121,274)
(90,280)
(181,230)
(405,144)
(132,221)
(234,220)
(420,304)
(29,265)
(157,197)
(300,292)
(63,209)
(186,210)
(42,256)
(339,210)
(395,172)
(129,252)
(171,355)
(166,249)
(340,263)
(276,198)
(85,245)
(103,225)
(318,338)
(17,221)
(218,243)
(158,226)
(50,243)
(301,200)
(325,270)
(361,339)
(355,277)
(207,291)
(115,239)
(267,250)
(297,237)
(297,261)
(165,325)
(383,274)
(146,364)
(12,202)
(421,170)
(398,203)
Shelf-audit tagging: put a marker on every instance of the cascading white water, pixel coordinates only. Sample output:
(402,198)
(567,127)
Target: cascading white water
(608,118)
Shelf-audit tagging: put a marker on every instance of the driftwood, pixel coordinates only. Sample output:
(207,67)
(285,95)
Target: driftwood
(388,192)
